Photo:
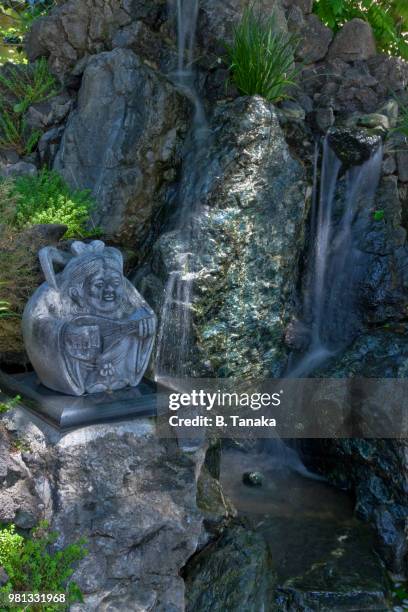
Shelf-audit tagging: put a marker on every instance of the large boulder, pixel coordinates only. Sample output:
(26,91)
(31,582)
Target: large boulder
(355,41)
(234,573)
(121,142)
(80,28)
(131,495)
(245,248)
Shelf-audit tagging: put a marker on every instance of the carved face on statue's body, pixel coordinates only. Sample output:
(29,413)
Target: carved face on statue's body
(87,330)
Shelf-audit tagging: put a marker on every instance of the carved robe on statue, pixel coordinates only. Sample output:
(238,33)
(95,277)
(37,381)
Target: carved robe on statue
(87,329)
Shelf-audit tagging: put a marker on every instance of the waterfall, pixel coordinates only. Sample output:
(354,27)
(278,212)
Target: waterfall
(336,264)
(175,333)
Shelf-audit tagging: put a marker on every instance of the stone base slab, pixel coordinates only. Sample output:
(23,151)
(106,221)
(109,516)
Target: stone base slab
(67,412)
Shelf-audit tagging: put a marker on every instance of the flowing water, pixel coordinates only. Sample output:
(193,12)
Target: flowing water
(336,264)
(175,333)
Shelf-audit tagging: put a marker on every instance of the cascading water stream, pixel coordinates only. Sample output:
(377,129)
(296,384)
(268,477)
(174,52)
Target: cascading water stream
(336,262)
(175,333)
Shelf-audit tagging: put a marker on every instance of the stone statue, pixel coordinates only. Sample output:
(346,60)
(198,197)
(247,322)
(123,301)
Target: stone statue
(87,329)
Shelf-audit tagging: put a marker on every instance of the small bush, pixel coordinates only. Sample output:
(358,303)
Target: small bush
(5,407)
(261,58)
(46,198)
(17,17)
(388,19)
(33,566)
(20,87)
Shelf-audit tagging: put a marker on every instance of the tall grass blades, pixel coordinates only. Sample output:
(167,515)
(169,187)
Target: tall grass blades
(20,87)
(261,58)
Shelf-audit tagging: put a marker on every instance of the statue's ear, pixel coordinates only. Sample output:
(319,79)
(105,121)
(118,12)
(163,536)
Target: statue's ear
(76,296)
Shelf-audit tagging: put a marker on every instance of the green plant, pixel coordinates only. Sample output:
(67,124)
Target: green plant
(46,198)
(378,215)
(16,19)
(33,565)
(20,87)
(5,407)
(261,58)
(388,19)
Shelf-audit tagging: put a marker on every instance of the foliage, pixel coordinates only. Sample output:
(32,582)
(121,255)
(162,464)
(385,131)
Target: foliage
(378,215)
(21,86)
(388,19)
(261,58)
(5,407)
(46,198)
(16,19)
(32,565)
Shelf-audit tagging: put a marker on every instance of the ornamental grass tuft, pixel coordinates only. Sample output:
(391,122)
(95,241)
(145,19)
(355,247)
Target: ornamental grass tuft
(261,58)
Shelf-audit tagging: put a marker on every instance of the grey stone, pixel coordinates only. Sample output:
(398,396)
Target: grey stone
(131,495)
(355,41)
(125,163)
(87,329)
(246,248)
(402,162)
(390,72)
(374,120)
(21,168)
(305,6)
(353,146)
(389,165)
(234,573)
(293,111)
(349,576)
(3,577)
(324,118)
(67,412)
(48,145)
(253,479)
(44,115)
(315,39)
(390,109)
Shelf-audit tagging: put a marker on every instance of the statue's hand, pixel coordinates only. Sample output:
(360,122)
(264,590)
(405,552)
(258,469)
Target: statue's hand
(146,328)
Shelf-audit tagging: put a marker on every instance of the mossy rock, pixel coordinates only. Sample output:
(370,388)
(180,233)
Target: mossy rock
(233,574)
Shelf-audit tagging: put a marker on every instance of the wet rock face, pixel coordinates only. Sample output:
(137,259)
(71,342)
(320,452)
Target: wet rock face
(349,578)
(235,573)
(121,142)
(375,470)
(247,242)
(353,146)
(132,497)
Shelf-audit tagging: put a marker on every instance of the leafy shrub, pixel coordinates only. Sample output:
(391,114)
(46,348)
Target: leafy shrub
(17,17)
(21,86)
(31,565)
(5,407)
(46,198)
(261,58)
(388,19)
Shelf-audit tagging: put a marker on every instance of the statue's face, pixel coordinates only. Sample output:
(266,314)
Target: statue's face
(104,291)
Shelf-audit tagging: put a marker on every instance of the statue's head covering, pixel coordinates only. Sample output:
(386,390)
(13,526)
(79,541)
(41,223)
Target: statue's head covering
(85,259)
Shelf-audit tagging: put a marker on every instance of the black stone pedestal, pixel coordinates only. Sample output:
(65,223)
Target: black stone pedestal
(67,411)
